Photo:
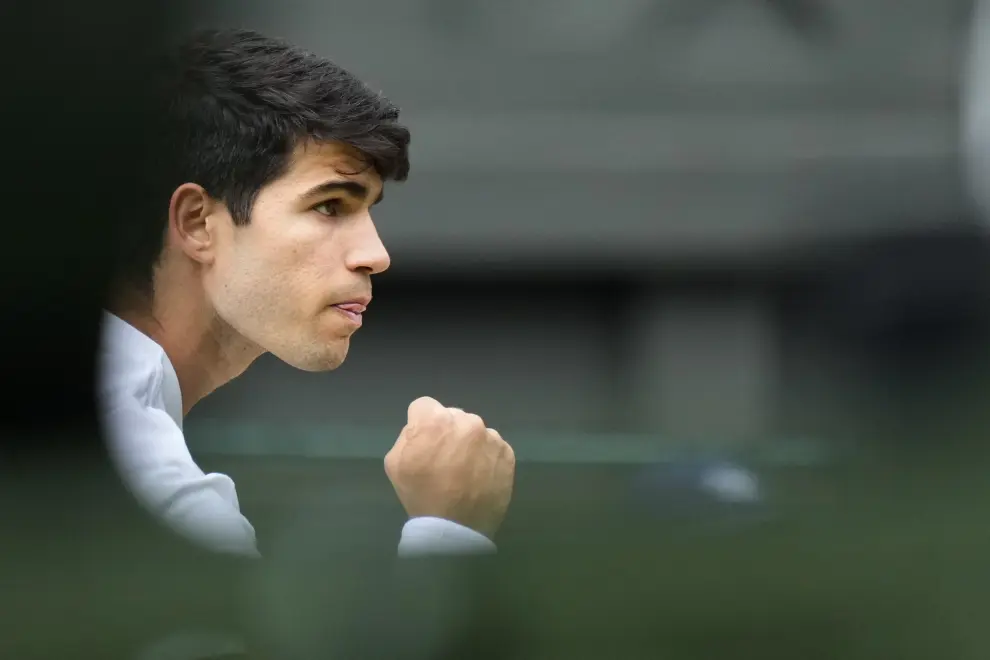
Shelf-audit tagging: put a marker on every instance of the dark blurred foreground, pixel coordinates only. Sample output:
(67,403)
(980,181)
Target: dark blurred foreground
(870,560)
(856,562)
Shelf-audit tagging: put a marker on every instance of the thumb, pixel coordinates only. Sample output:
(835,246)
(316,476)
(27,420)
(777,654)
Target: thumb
(422,407)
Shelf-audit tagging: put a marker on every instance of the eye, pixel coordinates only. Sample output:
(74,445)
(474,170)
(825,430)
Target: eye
(331,208)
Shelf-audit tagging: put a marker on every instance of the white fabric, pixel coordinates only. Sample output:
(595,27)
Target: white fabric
(141,407)
(975,109)
(424,536)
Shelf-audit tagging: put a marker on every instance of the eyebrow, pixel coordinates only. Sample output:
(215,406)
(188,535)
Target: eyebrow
(352,188)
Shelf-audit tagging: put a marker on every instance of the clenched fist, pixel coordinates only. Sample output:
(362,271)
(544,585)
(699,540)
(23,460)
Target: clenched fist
(447,464)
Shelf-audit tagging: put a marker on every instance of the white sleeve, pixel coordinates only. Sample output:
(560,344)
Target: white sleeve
(151,456)
(436,536)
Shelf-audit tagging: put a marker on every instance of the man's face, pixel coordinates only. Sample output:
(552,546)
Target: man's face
(294,279)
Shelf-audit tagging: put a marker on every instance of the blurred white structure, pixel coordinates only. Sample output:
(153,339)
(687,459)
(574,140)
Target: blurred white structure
(976,107)
(730,483)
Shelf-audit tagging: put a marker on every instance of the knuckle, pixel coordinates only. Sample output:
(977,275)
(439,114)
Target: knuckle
(473,427)
(466,422)
(474,422)
(437,418)
(447,418)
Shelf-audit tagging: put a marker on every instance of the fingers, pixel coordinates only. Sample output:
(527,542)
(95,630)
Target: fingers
(471,424)
(447,464)
(497,437)
(427,409)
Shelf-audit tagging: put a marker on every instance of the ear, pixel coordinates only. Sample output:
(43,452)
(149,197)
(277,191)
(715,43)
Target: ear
(192,222)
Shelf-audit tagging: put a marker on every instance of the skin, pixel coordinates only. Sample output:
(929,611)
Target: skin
(225,294)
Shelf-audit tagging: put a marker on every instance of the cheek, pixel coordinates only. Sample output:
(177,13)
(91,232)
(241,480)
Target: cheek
(311,253)
(288,271)
(246,276)
(326,255)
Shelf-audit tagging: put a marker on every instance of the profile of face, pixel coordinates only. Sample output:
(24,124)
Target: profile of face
(295,280)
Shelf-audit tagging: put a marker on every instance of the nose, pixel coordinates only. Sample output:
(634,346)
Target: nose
(367,253)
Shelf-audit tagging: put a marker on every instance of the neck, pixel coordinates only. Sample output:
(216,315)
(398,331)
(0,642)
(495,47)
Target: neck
(205,352)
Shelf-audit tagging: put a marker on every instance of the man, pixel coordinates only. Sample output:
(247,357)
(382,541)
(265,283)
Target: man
(259,238)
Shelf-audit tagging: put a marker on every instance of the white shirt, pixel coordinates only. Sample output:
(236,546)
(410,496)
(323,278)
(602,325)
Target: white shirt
(141,409)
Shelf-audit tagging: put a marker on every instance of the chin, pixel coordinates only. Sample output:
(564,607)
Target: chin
(327,359)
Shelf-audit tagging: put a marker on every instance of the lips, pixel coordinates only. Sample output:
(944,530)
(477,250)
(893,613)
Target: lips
(352,307)
(353,310)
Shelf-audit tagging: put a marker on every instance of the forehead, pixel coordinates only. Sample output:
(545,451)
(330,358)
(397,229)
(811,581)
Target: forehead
(313,163)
